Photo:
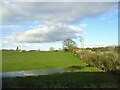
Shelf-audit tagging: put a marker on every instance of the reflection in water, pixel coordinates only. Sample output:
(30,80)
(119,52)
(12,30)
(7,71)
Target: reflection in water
(30,73)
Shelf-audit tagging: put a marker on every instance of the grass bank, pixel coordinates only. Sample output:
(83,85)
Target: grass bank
(19,61)
(77,74)
(68,79)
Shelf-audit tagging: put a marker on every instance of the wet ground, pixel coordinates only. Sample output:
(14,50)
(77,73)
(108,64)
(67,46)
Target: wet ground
(30,73)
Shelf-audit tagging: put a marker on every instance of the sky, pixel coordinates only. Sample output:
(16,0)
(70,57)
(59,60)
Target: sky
(41,25)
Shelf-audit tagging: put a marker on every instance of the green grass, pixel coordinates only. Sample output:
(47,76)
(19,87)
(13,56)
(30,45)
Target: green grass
(17,61)
(69,79)
(0,61)
(76,74)
(91,69)
(82,69)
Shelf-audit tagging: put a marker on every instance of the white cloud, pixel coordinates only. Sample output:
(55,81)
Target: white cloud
(14,44)
(47,33)
(52,12)
(1,45)
(61,0)
(9,26)
(57,19)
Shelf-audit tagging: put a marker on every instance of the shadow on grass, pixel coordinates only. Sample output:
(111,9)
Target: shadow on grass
(65,80)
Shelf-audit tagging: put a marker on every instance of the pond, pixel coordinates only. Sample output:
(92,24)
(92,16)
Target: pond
(30,73)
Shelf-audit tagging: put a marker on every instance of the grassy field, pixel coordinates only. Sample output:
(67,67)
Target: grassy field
(77,73)
(64,80)
(17,61)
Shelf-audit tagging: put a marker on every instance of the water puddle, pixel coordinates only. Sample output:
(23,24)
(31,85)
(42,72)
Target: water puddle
(30,73)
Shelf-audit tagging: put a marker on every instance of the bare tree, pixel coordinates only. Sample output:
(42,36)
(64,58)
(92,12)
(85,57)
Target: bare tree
(69,44)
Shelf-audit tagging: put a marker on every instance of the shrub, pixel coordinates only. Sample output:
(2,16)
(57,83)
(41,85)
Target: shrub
(106,59)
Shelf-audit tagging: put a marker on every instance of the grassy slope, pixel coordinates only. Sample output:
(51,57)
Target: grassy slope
(87,77)
(17,61)
(70,79)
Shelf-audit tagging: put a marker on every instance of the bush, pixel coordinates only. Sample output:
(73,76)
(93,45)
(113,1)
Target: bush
(106,59)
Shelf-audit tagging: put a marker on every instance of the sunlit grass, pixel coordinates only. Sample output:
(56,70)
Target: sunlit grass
(91,69)
(19,61)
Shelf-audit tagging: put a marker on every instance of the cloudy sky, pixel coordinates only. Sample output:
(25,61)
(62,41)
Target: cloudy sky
(41,25)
